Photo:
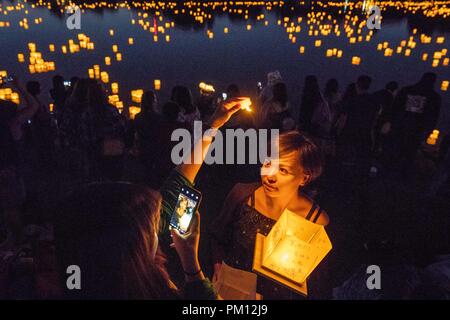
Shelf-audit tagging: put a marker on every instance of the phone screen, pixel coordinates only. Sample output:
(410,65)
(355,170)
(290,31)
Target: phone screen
(187,204)
(67,83)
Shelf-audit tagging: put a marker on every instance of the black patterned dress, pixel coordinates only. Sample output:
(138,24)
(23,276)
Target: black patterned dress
(239,251)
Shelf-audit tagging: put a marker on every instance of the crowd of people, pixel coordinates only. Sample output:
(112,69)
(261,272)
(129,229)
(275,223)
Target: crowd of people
(118,232)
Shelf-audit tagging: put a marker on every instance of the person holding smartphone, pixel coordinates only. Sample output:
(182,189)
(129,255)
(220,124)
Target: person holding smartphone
(183,177)
(117,233)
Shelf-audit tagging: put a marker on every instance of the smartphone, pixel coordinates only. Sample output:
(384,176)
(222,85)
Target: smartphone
(67,83)
(185,209)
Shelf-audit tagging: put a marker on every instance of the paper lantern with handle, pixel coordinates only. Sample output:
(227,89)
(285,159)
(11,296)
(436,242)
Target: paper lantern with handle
(291,251)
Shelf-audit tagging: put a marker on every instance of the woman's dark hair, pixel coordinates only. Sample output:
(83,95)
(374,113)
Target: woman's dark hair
(183,97)
(310,98)
(350,92)
(170,111)
(363,82)
(88,93)
(58,82)
(331,87)
(148,102)
(109,230)
(392,85)
(310,156)
(280,93)
(34,88)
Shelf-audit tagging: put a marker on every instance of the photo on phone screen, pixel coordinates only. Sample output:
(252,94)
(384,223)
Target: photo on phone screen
(67,83)
(187,204)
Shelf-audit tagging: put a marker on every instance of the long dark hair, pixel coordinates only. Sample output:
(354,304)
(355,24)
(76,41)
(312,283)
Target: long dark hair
(310,98)
(280,93)
(183,97)
(109,230)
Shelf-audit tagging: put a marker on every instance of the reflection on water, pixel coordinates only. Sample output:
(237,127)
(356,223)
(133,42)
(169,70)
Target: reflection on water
(132,46)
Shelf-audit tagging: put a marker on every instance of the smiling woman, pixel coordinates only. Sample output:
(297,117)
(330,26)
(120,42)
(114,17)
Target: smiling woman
(254,208)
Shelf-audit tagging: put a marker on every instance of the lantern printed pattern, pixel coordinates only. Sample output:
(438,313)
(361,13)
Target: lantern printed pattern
(293,248)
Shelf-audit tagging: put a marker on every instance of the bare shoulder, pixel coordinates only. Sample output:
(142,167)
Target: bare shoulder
(302,204)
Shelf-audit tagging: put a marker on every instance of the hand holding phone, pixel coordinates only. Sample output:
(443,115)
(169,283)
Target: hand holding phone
(185,209)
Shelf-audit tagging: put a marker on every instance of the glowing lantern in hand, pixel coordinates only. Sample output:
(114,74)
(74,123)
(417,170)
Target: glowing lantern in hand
(291,251)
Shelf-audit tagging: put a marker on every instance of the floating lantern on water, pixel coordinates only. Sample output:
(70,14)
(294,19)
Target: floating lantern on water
(136,95)
(15,98)
(115,48)
(445,62)
(435,63)
(225,30)
(207,88)
(91,73)
(433,137)
(134,111)
(51,107)
(407,52)
(130,41)
(329,53)
(302,49)
(440,40)
(119,57)
(111,32)
(444,85)
(157,84)
(167,38)
(119,106)
(108,61)
(291,251)
(318,43)
(104,77)
(21,57)
(64,49)
(32,47)
(356,60)
(114,88)
(425,56)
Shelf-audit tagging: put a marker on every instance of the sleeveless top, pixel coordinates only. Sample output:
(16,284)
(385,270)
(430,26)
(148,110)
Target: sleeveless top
(240,250)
